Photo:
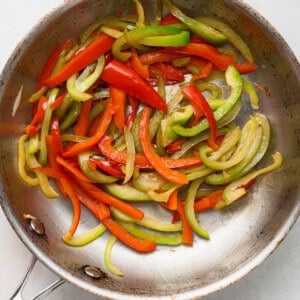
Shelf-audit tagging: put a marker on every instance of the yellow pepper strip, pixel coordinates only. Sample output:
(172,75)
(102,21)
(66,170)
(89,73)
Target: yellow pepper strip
(86,237)
(33,181)
(107,257)
(129,167)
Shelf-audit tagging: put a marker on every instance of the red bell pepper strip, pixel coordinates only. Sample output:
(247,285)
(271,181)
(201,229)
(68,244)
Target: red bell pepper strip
(99,210)
(197,39)
(99,195)
(141,161)
(118,99)
(38,117)
(84,58)
(158,56)
(138,244)
(72,169)
(212,54)
(46,73)
(94,125)
(56,138)
(208,202)
(58,101)
(93,140)
(126,79)
(194,95)
(81,125)
(175,146)
(172,202)
(187,231)
(51,155)
(166,71)
(69,190)
(169,20)
(108,167)
(138,67)
(134,107)
(157,162)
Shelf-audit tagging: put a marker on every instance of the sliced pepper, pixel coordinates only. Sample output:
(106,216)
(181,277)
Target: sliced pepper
(157,162)
(85,57)
(179,117)
(194,95)
(141,161)
(126,79)
(234,80)
(138,34)
(206,32)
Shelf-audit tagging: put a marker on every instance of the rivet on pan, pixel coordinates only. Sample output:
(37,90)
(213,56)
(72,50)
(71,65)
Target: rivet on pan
(36,226)
(92,272)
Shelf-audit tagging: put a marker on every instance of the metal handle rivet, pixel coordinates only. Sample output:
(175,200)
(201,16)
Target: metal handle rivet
(37,227)
(92,272)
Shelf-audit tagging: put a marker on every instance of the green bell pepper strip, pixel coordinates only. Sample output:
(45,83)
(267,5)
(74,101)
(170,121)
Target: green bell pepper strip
(126,192)
(248,136)
(78,85)
(45,127)
(174,40)
(160,239)
(157,115)
(214,90)
(140,14)
(86,237)
(230,140)
(160,149)
(107,257)
(33,144)
(147,222)
(231,35)
(179,117)
(180,62)
(83,160)
(86,81)
(120,25)
(38,94)
(61,111)
(234,80)
(206,32)
(201,173)
(249,89)
(189,209)
(136,35)
(129,166)
(231,115)
(235,190)
(135,129)
(74,92)
(236,171)
(190,143)
(95,111)
(71,116)
(264,123)
(45,186)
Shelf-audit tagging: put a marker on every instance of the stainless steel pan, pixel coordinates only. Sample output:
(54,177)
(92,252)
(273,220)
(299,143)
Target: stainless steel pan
(241,238)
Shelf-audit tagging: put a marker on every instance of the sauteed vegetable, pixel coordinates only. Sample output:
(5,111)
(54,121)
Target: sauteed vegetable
(109,131)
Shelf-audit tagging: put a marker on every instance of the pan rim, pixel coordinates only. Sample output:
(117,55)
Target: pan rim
(220,284)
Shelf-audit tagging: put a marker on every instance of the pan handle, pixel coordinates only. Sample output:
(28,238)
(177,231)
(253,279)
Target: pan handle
(18,293)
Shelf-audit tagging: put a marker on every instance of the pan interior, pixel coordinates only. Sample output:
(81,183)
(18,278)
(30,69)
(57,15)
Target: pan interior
(239,236)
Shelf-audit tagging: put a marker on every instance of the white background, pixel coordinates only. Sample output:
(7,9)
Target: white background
(277,278)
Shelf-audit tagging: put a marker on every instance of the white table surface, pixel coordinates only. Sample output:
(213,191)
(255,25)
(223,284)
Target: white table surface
(277,278)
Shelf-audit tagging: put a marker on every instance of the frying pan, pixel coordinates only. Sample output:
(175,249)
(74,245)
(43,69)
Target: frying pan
(240,238)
